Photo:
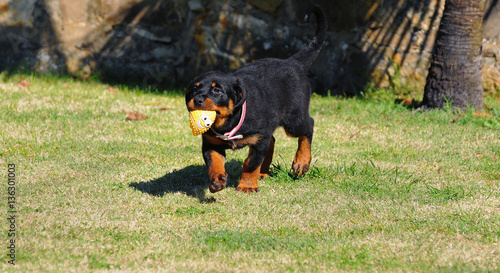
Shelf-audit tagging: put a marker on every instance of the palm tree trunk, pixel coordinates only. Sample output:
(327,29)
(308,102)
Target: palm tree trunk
(455,72)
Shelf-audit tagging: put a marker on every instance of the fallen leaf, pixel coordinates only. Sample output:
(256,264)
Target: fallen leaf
(479,114)
(161,108)
(455,119)
(405,101)
(135,116)
(23,84)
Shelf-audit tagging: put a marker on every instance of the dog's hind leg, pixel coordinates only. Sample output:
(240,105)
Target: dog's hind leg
(304,132)
(302,159)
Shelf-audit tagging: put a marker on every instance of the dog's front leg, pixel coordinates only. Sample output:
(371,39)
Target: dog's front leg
(264,168)
(252,167)
(215,158)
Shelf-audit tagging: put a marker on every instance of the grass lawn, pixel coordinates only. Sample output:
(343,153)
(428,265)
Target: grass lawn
(391,188)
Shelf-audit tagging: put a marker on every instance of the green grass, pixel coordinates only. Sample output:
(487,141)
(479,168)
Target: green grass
(390,189)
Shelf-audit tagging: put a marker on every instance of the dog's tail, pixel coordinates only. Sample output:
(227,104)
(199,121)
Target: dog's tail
(307,55)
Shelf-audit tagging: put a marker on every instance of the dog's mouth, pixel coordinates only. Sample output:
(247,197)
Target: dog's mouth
(217,112)
(221,112)
(205,106)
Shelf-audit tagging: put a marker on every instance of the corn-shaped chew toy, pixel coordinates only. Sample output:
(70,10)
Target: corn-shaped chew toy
(200,121)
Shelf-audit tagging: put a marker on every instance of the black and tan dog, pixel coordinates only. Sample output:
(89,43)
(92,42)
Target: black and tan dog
(251,103)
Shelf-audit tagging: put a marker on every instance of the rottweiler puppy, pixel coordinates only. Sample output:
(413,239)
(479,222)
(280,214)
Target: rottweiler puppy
(251,103)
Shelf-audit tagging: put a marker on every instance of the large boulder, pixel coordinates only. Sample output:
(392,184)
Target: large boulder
(370,42)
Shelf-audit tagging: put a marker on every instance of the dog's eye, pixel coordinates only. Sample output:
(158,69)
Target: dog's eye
(216,90)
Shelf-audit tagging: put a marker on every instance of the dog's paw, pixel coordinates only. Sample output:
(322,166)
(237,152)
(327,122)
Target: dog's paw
(247,189)
(300,168)
(217,183)
(248,182)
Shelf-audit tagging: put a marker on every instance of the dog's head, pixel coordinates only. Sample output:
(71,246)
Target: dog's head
(215,91)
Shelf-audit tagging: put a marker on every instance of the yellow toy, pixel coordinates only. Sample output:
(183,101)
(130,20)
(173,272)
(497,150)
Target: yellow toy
(200,121)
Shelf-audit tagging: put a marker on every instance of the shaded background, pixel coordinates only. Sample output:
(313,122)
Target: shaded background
(369,43)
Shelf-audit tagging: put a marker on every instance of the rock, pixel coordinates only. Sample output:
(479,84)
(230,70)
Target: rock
(46,61)
(196,6)
(397,59)
(163,52)
(145,57)
(146,34)
(491,24)
(268,6)
(147,40)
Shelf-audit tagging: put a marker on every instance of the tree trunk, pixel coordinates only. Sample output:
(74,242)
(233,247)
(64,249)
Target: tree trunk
(455,71)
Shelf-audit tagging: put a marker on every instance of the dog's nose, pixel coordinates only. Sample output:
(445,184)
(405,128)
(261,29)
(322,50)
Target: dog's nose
(198,100)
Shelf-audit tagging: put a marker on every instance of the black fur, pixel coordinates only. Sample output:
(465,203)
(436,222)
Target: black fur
(277,93)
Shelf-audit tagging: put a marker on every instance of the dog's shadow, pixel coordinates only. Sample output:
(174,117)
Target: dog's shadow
(191,180)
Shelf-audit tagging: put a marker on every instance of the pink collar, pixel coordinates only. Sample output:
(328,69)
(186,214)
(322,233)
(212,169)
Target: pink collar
(231,135)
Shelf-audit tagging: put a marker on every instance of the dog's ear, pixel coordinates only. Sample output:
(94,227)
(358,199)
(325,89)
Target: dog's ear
(191,87)
(239,93)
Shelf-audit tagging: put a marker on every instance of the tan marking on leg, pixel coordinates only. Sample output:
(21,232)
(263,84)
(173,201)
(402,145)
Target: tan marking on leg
(217,172)
(264,169)
(248,181)
(302,159)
